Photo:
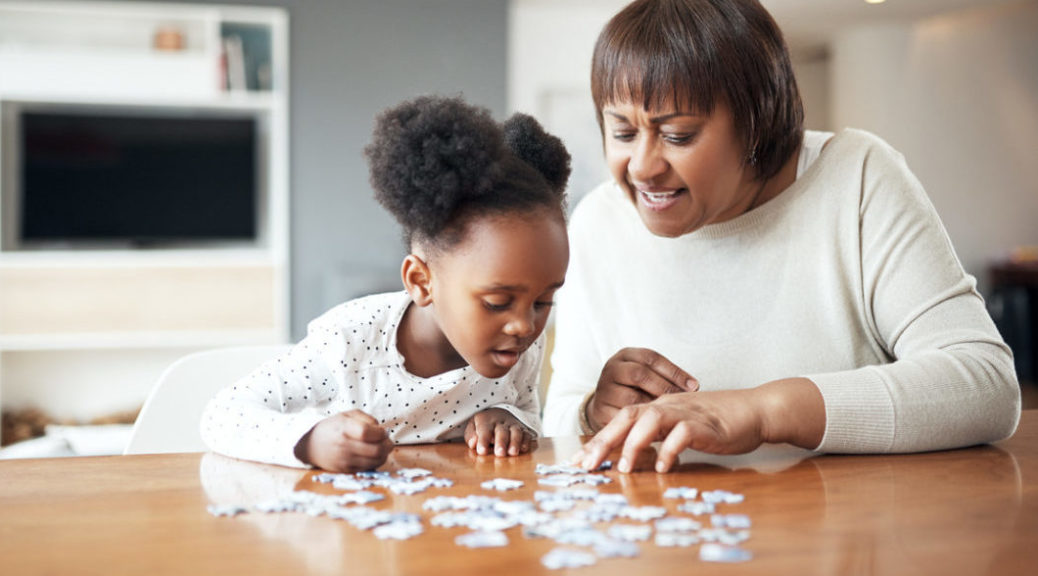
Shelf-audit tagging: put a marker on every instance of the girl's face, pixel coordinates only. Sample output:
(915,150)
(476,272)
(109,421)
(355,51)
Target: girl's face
(491,294)
(682,170)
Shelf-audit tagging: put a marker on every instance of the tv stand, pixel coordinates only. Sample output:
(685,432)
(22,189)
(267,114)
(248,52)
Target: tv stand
(86,332)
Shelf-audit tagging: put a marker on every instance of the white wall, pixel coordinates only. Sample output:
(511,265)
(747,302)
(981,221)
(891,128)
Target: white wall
(549,74)
(813,80)
(958,96)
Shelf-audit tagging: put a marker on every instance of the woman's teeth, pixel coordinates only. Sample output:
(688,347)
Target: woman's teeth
(658,197)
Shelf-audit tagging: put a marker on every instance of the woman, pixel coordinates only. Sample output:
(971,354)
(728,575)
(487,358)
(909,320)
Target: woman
(742,281)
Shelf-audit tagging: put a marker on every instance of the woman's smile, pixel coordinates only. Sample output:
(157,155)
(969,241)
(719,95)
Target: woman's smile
(659,199)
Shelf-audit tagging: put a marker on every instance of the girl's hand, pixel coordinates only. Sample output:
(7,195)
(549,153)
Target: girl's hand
(717,422)
(635,376)
(346,442)
(498,428)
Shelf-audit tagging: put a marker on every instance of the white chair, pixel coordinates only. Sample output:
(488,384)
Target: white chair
(169,419)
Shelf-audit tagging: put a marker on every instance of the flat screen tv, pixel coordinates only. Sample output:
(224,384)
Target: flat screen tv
(127,177)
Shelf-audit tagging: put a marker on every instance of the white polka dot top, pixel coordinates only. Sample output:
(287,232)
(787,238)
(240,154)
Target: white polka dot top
(349,360)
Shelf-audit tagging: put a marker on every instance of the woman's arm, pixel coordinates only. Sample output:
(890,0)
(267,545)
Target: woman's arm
(949,381)
(718,422)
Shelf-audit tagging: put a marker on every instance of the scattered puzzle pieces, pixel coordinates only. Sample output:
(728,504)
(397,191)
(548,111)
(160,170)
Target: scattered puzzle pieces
(567,515)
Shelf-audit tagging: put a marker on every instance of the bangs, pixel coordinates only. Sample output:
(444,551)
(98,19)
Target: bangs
(691,54)
(637,63)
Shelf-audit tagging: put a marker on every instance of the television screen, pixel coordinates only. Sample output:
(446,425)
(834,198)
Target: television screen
(136,178)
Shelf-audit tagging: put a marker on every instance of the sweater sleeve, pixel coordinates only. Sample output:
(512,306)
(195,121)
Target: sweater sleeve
(951,382)
(262,416)
(576,362)
(527,405)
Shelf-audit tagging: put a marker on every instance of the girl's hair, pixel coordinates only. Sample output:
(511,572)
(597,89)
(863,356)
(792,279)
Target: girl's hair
(436,163)
(690,53)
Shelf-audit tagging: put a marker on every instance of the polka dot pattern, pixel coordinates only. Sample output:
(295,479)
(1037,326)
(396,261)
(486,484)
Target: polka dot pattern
(349,360)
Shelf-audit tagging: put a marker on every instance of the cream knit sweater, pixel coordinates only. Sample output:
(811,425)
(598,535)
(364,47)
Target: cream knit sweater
(847,278)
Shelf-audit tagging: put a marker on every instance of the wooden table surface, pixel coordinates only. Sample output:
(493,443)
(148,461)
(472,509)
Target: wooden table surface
(970,511)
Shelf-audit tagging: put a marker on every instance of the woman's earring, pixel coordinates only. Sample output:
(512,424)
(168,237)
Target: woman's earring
(753,156)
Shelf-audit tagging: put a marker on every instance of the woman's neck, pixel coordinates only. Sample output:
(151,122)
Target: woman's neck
(778,183)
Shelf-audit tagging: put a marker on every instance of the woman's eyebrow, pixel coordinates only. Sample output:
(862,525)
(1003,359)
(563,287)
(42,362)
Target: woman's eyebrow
(655,119)
(671,116)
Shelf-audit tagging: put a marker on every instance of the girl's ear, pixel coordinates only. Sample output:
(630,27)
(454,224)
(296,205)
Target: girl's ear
(417,279)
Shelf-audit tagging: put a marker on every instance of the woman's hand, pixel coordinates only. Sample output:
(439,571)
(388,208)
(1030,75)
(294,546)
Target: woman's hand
(346,442)
(635,376)
(498,428)
(720,422)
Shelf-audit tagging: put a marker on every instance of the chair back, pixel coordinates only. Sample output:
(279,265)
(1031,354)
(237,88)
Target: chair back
(169,420)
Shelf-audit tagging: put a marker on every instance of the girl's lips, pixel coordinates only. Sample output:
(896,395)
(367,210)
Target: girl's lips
(505,358)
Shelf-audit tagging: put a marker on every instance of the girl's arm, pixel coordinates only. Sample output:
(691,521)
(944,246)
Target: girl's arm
(263,416)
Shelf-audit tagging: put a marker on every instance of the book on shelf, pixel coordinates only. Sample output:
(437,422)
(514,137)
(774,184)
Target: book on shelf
(249,57)
(234,56)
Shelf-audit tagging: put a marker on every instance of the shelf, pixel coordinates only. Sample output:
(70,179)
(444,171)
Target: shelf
(90,327)
(160,258)
(101,74)
(136,340)
(141,49)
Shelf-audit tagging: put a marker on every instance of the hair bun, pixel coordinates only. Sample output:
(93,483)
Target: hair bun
(428,155)
(545,152)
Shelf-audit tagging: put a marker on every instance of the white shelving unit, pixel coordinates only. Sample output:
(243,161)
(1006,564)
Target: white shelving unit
(78,323)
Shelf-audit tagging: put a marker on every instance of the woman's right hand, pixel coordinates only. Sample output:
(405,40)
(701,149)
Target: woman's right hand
(635,376)
(346,442)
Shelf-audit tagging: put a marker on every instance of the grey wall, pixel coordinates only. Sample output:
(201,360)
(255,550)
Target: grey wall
(348,60)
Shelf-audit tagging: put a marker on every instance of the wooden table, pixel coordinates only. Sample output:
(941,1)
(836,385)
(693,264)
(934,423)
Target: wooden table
(971,511)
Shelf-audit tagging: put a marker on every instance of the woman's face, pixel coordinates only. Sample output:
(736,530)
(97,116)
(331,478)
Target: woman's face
(681,169)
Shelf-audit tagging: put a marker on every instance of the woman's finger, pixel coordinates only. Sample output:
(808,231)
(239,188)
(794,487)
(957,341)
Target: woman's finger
(648,427)
(653,373)
(680,437)
(607,439)
(617,394)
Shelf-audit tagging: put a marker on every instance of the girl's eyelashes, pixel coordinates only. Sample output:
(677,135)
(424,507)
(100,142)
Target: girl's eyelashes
(496,306)
(624,136)
(502,306)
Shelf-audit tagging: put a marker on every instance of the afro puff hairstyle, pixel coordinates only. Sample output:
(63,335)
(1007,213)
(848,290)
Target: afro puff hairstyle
(436,163)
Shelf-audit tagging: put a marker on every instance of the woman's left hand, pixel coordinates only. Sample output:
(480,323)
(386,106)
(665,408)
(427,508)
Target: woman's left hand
(717,422)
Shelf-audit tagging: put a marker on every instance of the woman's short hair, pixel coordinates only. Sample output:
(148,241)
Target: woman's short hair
(690,53)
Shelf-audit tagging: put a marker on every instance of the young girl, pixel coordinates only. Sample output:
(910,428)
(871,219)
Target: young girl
(456,355)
